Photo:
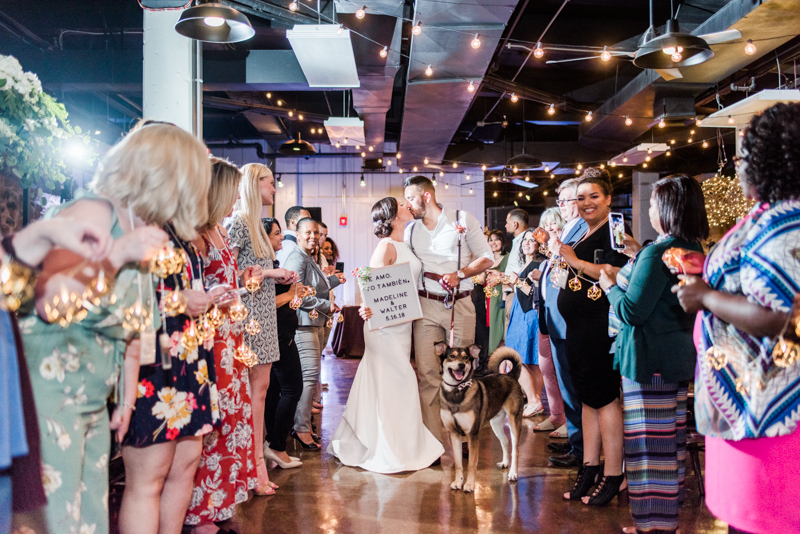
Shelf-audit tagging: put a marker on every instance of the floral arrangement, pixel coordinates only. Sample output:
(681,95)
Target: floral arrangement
(362,274)
(33,128)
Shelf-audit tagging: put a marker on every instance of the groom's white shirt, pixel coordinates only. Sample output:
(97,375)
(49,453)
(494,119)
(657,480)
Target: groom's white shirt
(438,249)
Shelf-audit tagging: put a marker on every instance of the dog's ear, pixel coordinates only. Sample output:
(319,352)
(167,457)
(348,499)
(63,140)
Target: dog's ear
(474,351)
(440,348)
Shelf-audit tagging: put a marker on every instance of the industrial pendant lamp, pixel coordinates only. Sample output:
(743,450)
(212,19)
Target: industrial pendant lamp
(671,50)
(297,147)
(215,23)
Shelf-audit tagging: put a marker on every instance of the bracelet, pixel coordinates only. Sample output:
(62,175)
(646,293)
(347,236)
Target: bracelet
(128,405)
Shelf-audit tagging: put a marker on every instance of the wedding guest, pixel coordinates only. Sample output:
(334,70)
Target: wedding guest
(496,306)
(155,174)
(481,300)
(312,316)
(523,324)
(286,379)
(330,251)
(749,282)
(293,214)
(585,310)
(655,355)
(253,252)
(516,224)
(553,325)
(553,223)
(227,468)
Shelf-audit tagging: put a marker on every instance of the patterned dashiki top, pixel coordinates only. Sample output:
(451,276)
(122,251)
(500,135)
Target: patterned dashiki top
(749,396)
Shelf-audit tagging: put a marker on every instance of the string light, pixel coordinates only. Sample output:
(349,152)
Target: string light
(647,158)
(613,163)
(340,29)
(644,165)
(415,168)
(467,177)
(661,123)
(672,141)
(384,52)
(544,193)
(619,175)
(470,190)
(551,110)
(669,152)
(313,130)
(280,184)
(605,55)
(699,121)
(429,71)
(514,97)
(483,168)
(494,194)
(363,154)
(337,144)
(725,201)
(300,117)
(446,185)
(580,166)
(577,171)
(455,166)
(552,176)
(441,174)
(291,113)
(371,148)
(363,183)
(476,43)
(625,159)
(519,194)
(547,168)
(398,155)
(361,13)
(602,165)
(345,140)
(730,119)
(705,144)
(388,163)
(750,48)
(293,6)
(269,95)
(538,52)
(628,120)
(690,140)
(471,87)
(691,132)
(589,117)
(358,147)
(417,29)
(402,171)
(279,102)
(433,181)
(425,161)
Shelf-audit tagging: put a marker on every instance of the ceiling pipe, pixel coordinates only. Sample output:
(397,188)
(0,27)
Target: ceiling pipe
(745,88)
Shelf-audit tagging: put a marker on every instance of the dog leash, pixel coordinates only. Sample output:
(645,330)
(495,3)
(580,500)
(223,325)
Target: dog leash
(461,386)
(455,289)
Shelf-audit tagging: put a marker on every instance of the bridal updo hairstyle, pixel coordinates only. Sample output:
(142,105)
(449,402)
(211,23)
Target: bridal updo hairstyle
(601,177)
(384,212)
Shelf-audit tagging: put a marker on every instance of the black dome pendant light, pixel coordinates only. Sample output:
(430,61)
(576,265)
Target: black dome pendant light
(214,23)
(297,147)
(671,50)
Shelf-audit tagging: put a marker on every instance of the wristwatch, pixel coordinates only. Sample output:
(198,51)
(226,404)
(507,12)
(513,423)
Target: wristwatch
(460,274)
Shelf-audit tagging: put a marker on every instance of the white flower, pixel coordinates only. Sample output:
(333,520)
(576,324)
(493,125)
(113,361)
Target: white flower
(87,529)
(240,437)
(212,461)
(64,441)
(217,498)
(197,497)
(102,463)
(51,368)
(51,479)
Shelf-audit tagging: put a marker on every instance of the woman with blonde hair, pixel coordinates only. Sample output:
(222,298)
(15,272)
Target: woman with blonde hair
(227,467)
(252,250)
(154,175)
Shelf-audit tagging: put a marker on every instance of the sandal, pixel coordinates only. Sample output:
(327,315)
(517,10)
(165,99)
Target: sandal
(608,488)
(544,426)
(559,433)
(537,410)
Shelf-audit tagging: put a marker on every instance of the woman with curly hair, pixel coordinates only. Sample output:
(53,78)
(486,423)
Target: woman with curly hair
(378,433)
(747,393)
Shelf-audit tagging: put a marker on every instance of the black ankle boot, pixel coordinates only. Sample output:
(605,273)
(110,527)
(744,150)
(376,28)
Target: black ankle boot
(607,489)
(587,478)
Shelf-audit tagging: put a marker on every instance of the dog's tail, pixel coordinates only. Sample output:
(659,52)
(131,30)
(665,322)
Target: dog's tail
(502,354)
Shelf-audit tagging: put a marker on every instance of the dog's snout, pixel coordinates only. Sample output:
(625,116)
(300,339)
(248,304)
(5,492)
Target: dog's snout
(461,366)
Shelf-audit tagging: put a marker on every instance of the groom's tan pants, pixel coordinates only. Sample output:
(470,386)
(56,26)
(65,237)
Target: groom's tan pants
(431,329)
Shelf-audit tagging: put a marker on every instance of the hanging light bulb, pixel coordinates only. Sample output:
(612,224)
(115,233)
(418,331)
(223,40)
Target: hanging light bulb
(691,132)
(577,171)
(447,186)
(690,140)
(425,161)
(672,141)
(291,113)
(483,168)
(625,159)
(300,117)
(434,182)
(269,95)
(363,183)
(547,168)
(730,119)
(371,148)
(605,55)
(476,43)
(415,168)
(363,154)
(628,120)
(705,143)
(519,194)
(661,123)
(750,48)
(602,165)
(340,29)
(699,121)
(429,71)
(380,160)
(580,166)
(613,163)
(417,29)
(398,155)
(388,162)
(649,150)
(361,13)
(647,158)
(402,171)
(669,152)
(345,141)
(313,130)
(494,194)
(644,165)
(441,173)
(470,190)
(538,52)
(384,52)
(471,87)
(514,97)
(279,102)
(358,147)
(676,57)
(337,144)
(551,110)
(467,177)
(619,175)
(552,176)
(280,184)
(589,117)
(455,166)
(515,169)
(293,6)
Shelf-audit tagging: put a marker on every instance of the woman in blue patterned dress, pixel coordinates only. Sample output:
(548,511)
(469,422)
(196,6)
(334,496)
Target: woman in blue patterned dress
(747,392)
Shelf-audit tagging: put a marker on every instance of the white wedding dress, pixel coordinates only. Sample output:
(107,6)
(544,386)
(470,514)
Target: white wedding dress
(381,428)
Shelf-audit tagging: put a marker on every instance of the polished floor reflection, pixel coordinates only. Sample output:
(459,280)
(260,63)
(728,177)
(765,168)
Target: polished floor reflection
(324,496)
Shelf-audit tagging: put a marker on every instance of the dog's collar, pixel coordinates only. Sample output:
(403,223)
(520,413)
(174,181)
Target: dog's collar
(459,386)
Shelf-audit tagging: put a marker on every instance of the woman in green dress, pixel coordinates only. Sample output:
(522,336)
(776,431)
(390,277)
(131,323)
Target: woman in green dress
(156,174)
(498,242)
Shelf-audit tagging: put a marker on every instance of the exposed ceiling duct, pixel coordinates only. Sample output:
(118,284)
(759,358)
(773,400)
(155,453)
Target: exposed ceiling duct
(436,104)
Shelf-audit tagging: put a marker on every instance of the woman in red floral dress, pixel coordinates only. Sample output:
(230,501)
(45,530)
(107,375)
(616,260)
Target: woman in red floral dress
(227,469)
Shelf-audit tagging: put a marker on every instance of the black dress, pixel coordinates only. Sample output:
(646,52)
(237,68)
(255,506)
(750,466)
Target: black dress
(591,365)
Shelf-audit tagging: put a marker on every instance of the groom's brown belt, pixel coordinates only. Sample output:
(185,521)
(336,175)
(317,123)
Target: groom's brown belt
(433,296)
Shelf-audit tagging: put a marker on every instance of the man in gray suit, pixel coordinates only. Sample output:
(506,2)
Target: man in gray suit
(552,323)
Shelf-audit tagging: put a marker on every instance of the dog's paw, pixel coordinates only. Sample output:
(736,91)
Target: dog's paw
(512,477)
(502,465)
(457,484)
(469,487)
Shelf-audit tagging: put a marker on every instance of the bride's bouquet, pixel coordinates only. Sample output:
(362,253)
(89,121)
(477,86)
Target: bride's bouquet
(362,274)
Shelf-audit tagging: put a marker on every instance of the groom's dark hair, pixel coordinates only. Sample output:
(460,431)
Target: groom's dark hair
(420,182)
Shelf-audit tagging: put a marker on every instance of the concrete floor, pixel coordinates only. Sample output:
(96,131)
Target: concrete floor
(324,496)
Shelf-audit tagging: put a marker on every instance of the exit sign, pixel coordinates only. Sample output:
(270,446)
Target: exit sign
(343,220)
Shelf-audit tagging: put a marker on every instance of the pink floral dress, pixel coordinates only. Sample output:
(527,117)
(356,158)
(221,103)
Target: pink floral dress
(227,467)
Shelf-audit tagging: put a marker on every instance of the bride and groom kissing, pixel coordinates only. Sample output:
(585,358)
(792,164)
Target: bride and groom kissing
(381,429)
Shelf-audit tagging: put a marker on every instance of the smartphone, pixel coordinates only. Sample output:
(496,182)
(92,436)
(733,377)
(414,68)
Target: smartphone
(616,225)
(340,266)
(598,256)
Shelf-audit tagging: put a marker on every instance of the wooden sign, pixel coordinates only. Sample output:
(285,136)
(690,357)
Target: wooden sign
(391,292)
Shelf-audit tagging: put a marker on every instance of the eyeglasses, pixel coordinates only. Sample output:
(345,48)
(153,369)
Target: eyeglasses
(563,202)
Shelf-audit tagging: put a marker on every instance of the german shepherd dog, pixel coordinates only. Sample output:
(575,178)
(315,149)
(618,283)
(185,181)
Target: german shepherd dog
(467,403)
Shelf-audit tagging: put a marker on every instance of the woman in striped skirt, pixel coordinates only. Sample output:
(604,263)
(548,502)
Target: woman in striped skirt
(655,355)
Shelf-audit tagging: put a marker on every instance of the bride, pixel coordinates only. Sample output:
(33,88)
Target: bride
(381,428)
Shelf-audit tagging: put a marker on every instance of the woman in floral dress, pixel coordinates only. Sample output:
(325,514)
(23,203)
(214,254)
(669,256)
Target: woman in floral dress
(227,467)
(74,370)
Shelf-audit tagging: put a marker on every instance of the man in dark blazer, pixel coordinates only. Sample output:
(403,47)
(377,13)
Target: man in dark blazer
(552,323)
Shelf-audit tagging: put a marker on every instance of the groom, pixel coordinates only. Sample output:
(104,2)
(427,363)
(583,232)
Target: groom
(433,238)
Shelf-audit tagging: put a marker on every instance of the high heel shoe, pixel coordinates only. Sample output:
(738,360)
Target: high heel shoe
(607,489)
(587,478)
(306,446)
(269,454)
